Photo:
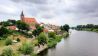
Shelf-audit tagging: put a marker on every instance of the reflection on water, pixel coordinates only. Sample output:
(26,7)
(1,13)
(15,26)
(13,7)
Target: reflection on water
(79,43)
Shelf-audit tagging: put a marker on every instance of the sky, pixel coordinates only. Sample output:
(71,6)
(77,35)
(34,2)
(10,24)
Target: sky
(58,12)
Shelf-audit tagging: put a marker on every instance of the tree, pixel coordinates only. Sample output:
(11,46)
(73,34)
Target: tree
(4,32)
(42,38)
(5,23)
(65,27)
(38,30)
(22,26)
(12,22)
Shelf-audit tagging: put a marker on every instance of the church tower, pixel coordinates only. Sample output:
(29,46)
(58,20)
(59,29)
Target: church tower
(22,16)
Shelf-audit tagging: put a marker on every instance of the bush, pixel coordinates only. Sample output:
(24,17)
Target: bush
(18,39)
(52,35)
(58,38)
(7,52)
(35,42)
(52,43)
(8,41)
(42,38)
(26,48)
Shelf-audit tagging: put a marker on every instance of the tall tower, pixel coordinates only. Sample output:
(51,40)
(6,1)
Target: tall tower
(22,16)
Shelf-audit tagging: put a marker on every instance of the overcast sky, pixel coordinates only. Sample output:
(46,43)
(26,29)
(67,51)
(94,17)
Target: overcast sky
(57,12)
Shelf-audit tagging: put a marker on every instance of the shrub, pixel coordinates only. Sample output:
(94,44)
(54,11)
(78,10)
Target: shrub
(58,38)
(7,52)
(52,35)
(8,41)
(26,48)
(52,43)
(42,38)
(18,39)
(35,42)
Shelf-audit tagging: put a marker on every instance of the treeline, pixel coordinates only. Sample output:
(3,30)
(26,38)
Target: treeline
(88,27)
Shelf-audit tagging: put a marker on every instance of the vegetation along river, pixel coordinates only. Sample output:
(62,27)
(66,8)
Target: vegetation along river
(79,43)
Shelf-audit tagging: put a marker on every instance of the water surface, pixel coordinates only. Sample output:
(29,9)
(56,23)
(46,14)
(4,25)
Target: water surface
(79,43)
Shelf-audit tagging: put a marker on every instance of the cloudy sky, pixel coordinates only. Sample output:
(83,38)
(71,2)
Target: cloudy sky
(57,12)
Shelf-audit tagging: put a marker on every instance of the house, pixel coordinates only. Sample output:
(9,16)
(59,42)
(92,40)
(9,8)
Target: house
(12,27)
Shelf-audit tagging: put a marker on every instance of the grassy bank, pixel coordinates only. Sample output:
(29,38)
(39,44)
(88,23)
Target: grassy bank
(29,46)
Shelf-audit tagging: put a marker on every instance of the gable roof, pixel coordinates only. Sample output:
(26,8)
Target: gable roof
(29,20)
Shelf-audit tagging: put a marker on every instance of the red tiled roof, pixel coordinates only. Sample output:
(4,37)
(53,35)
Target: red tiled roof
(12,27)
(29,20)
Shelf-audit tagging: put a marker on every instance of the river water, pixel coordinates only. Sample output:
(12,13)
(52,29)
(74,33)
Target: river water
(79,43)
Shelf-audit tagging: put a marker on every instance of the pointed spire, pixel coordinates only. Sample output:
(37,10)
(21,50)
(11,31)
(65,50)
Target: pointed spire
(22,14)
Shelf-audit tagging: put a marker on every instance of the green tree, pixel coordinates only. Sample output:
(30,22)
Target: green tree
(5,23)
(22,26)
(38,30)
(65,27)
(4,32)
(42,38)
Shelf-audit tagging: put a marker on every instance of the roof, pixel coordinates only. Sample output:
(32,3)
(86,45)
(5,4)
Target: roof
(29,20)
(12,27)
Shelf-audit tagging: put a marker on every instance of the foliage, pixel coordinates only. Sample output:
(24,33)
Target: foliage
(8,23)
(42,38)
(7,52)
(52,35)
(35,42)
(89,27)
(12,22)
(18,39)
(33,54)
(58,38)
(5,23)
(65,27)
(22,26)
(26,48)
(52,43)
(4,32)
(26,34)
(38,30)
(8,41)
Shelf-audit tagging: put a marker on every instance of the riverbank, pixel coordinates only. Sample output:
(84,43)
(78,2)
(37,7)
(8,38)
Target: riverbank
(79,43)
(51,42)
(88,29)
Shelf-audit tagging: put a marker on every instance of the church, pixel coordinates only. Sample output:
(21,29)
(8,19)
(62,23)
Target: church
(28,20)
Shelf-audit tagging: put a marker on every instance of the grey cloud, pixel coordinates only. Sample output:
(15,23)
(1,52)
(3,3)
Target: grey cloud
(32,1)
(52,9)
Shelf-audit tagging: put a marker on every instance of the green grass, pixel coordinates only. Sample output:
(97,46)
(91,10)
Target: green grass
(2,43)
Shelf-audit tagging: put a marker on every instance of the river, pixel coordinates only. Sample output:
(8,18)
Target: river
(79,43)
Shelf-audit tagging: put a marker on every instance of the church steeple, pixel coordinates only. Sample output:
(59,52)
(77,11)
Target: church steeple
(22,16)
